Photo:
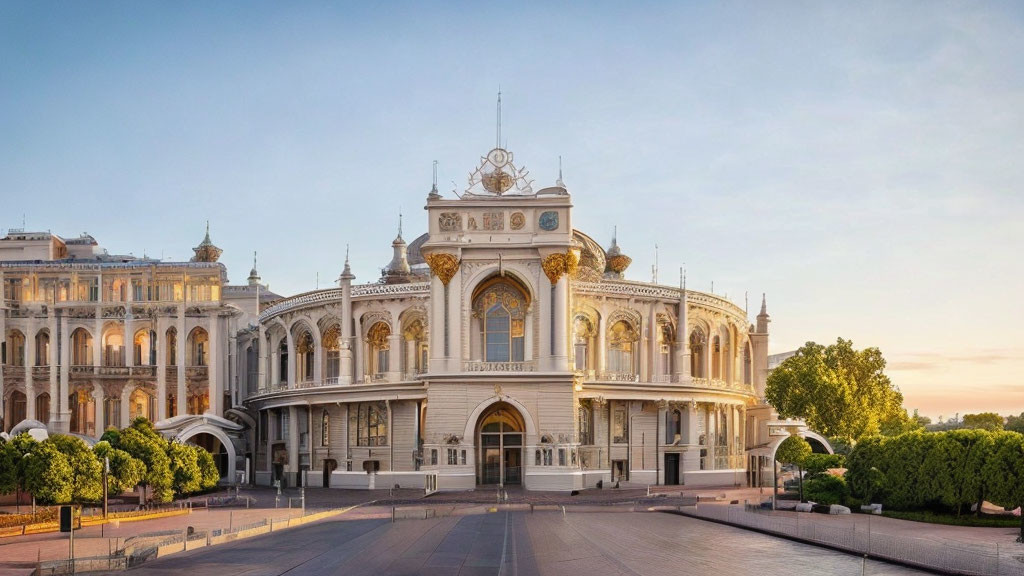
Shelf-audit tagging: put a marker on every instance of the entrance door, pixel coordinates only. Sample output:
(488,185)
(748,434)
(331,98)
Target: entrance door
(619,470)
(500,446)
(330,465)
(513,465)
(671,469)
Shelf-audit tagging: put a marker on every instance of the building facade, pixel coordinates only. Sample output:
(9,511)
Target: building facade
(501,347)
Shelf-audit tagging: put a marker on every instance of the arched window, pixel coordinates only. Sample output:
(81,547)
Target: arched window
(252,367)
(282,355)
(81,347)
(666,338)
(585,423)
(583,336)
(198,347)
(500,305)
(622,338)
(371,423)
(141,403)
(673,426)
(716,357)
(15,349)
(415,335)
(698,348)
(304,356)
(113,347)
(16,407)
(83,413)
(43,348)
(332,354)
(144,349)
(378,339)
(43,408)
(172,347)
(198,401)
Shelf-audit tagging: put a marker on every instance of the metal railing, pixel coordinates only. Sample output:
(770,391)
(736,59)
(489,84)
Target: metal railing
(945,555)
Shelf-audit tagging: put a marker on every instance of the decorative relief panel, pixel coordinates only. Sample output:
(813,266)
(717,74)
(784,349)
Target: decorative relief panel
(450,222)
(516,221)
(548,220)
(493,221)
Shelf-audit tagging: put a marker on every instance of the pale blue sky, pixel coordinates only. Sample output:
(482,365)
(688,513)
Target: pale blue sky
(859,163)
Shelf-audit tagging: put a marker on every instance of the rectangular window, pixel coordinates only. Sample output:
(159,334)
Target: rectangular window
(497,337)
(433,457)
(581,356)
(561,456)
(620,424)
(371,424)
(463,457)
(453,457)
(547,456)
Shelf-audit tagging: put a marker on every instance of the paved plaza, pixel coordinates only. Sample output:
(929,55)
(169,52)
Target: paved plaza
(512,543)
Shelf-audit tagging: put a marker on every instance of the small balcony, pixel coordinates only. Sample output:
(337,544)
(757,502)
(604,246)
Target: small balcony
(617,377)
(196,372)
(83,370)
(14,372)
(41,372)
(113,371)
(171,373)
(477,366)
(144,371)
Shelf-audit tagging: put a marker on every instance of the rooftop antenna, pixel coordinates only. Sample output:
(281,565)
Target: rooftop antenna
(497,142)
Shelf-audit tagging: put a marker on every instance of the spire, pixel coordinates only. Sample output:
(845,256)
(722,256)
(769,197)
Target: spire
(346,273)
(763,319)
(497,141)
(560,182)
(254,276)
(399,237)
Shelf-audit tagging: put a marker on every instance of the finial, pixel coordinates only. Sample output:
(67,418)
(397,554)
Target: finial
(497,141)
(654,268)
(764,304)
(615,235)
(399,222)
(254,259)
(560,182)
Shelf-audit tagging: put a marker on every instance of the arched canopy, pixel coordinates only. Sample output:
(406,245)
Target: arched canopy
(524,415)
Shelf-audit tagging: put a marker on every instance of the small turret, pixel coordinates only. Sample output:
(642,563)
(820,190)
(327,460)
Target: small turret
(346,274)
(763,318)
(254,276)
(206,251)
(398,270)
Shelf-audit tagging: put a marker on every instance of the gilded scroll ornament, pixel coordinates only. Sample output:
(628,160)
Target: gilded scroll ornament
(554,266)
(442,265)
(517,220)
(572,261)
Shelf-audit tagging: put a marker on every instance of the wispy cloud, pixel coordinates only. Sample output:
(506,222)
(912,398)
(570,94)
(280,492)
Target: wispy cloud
(934,361)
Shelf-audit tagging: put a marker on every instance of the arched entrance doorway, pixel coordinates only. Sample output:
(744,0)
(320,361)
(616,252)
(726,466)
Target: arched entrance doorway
(500,445)
(216,448)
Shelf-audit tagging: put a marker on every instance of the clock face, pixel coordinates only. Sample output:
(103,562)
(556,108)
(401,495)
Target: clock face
(498,157)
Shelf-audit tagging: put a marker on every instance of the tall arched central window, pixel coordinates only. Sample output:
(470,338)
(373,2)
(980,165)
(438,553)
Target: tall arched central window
(501,307)
(621,338)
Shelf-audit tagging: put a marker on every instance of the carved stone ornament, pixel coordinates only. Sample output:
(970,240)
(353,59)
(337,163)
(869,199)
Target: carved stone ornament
(516,221)
(548,220)
(450,222)
(442,265)
(493,221)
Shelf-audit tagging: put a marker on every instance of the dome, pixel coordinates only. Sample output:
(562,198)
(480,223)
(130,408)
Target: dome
(592,258)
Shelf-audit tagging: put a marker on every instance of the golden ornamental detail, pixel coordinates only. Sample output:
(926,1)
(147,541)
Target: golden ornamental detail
(572,261)
(554,266)
(442,265)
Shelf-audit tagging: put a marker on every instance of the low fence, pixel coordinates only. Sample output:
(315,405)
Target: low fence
(944,555)
(148,546)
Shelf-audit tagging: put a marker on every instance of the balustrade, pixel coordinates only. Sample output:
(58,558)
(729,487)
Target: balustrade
(499,366)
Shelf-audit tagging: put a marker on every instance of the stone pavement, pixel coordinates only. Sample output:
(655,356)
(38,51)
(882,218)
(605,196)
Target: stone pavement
(516,543)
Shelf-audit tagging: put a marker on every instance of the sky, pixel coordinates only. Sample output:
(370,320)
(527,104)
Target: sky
(860,164)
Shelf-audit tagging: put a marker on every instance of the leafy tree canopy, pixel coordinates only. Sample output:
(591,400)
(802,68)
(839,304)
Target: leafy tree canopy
(840,392)
(793,450)
(985,421)
(1015,423)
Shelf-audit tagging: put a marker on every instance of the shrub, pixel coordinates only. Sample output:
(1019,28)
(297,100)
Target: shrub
(818,463)
(826,489)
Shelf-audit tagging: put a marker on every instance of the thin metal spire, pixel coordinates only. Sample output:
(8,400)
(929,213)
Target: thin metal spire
(253,259)
(560,182)
(399,222)
(497,141)
(654,268)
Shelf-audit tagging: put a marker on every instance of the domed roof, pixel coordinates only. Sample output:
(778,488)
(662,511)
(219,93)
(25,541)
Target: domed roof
(413,254)
(592,259)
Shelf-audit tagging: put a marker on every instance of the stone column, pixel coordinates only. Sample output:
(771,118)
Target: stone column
(275,365)
(682,341)
(161,368)
(214,379)
(560,358)
(65,375)
(30,361)
(97,406)
(129,331)
(357,343)
(293,444)
(97,339)
(262,353)
(410,357)
(345,369)
(126,394)
(182,344)
(52,361)
(318,359)
(395,356)
(691,458)
(3,341)
(455,335)
(602,344)
(544,306)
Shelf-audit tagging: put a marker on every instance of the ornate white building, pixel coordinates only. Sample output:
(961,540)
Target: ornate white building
(503,346)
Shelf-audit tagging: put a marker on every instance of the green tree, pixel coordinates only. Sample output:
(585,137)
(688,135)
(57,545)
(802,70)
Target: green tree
(983,421)
(188,478)
(209,469)
(951,472)
(794,450)
(815,464)
(840,392)
(126,472)
(922,421)
(86,470)
(8,467)
(142,442)
(48,475)
(1004,473)
(1015,423)
(865,479)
